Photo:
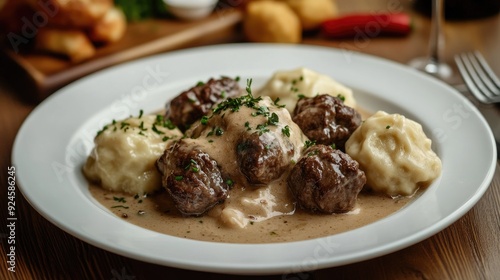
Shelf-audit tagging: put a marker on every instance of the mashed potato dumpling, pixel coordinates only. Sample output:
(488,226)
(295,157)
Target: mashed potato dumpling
(394,153)
(125,154)
(290,85)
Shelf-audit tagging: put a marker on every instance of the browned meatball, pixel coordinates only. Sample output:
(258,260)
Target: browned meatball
(326,120)
(192,178)
(192,104)
(263,158)
(326,180)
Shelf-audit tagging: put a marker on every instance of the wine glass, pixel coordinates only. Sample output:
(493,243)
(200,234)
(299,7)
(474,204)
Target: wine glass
(432,63)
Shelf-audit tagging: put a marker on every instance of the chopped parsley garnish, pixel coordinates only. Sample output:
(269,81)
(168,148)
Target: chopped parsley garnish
(273,119)
(387,127)
(102,130)
(204,120)
(313,153)
(300,96)
(249,101)
(229,182)
(119,206)
(309,143)
(155,129)
(200,83)
(141,127)
(262,128)
(237,78)
(286,131)
(216,130)
(193,165)
(262,110)
(119,199)
(219,131)
(161,121)
(341,97)
(124,125)
(140,113)
(249,86)
(278,105)
(178,178)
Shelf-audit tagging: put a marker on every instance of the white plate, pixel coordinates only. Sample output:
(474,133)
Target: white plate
(54,141)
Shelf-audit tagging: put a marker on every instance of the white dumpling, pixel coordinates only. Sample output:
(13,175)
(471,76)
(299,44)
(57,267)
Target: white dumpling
(125,153)
(394,153)
(290,85)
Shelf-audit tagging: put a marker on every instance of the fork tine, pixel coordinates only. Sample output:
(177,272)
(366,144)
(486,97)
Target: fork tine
(485,73)
(487,68)
(477,76)
(460,61)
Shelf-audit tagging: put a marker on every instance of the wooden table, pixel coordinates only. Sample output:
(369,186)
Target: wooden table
(468,249)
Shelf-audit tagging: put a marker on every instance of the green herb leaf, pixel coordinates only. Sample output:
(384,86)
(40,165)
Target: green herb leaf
(179,178)
(119,199)
(309,143)
(204,120)
(273,119)
(286,131)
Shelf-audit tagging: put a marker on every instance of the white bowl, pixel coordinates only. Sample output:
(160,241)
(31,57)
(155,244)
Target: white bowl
(190,9)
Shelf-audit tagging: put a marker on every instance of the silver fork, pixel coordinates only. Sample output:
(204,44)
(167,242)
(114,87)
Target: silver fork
(478,76)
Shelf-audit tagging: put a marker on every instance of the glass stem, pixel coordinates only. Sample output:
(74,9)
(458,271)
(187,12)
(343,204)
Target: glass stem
(436,26)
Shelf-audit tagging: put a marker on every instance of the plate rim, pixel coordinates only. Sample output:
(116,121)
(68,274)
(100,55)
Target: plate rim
(251,269)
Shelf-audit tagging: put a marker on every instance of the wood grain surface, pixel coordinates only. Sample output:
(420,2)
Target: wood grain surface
(46,73)
(468,249)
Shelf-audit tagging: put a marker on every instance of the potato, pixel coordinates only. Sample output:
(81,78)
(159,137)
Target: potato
(125,153)
(394,153)
(290,85)
(313,12)
(273,22)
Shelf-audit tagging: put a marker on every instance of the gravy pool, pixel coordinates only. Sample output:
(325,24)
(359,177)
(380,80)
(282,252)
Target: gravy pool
(157,213)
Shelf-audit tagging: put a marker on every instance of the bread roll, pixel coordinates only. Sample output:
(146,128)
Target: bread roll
(110,28)
(73,13)
(73,44)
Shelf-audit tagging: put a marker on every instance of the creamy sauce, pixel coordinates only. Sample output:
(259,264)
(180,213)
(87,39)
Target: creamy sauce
(251,214)
(158,213)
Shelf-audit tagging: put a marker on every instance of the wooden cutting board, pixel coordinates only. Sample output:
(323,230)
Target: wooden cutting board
(39,75)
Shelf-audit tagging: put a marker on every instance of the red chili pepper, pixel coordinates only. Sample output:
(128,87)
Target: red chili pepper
(368,25)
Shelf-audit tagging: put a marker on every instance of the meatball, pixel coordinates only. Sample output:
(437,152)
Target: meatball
(326,180)
(263,158)
(192,178)
(326,120)
(192,104)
